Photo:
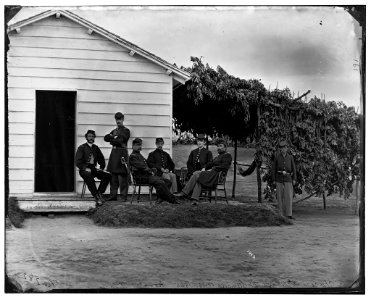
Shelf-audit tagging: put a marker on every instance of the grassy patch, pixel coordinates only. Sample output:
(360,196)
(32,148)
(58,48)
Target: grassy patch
(15,214)
(204,215)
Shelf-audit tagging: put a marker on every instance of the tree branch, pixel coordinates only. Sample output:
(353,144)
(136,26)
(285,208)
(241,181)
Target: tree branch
(302,95)
(307,197)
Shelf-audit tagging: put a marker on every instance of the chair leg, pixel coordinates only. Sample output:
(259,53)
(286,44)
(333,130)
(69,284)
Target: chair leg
(225,195)
(138,194)
(150,194)
(83,190)
(133,194)
(216,195)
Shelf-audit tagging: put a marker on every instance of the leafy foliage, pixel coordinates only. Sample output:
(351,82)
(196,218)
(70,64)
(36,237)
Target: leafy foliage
(216,102)
(324,139)
(324,136)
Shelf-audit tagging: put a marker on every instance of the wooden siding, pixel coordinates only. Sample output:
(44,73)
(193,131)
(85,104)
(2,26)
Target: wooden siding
(58,54)
(84,64)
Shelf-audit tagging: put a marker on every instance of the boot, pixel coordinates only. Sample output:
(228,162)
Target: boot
(124,198)
(101,197)
(174,200)
(112,198)
(98,200)
(180,194)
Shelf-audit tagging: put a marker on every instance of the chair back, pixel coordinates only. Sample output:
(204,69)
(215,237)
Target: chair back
(222,178)
(183,175)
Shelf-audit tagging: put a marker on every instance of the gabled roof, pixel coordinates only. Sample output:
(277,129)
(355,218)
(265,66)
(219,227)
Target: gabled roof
(177,74)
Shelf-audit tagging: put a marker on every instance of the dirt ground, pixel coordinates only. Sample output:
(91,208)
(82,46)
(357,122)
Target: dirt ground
(321,249)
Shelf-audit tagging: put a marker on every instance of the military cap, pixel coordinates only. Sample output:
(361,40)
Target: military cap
(159,140)
(137,141)
(90,131)
(118,115)
(201,137)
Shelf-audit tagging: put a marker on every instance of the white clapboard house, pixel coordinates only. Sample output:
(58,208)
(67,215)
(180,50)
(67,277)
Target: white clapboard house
(67,75)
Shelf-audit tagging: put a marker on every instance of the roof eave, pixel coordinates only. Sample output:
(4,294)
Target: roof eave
(178,74)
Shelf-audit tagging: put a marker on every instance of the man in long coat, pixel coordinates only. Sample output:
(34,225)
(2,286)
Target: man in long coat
(118,138)
(164,165)
(144,174)
(87,157)
(284,176)
(208,176)
(198,158)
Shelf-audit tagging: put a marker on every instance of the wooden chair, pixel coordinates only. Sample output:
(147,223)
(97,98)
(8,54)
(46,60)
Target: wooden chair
(183,176)
(206,192)
(83,190)
(136,182)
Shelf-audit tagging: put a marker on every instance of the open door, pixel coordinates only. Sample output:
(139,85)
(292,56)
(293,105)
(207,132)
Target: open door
(55,141)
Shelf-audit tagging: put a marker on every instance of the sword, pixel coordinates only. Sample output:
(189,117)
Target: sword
(123,161)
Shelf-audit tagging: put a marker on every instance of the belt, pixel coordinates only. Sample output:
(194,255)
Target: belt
(281,172)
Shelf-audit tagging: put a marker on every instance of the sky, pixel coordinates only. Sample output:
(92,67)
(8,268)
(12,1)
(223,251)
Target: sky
(302,48)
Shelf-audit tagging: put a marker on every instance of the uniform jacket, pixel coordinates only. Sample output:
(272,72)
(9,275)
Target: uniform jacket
(221,163)
(283,163)
(83,154)
(139,167)
(119,139)
(197,162)
(160,159)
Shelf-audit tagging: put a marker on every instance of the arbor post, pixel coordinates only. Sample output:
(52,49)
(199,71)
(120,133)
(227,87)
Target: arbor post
(258,177)
(234,168)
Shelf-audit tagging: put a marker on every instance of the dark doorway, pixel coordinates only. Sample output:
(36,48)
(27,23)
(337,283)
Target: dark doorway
(55,141)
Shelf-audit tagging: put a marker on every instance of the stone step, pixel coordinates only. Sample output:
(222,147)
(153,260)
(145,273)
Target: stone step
(53,205)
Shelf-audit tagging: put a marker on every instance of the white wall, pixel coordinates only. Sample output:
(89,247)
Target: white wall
(58,54)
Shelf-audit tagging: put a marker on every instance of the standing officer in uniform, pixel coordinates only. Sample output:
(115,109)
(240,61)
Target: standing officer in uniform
(162,162)
(87,156)
(199,157)
(118,138)
(141,172)
(284,176)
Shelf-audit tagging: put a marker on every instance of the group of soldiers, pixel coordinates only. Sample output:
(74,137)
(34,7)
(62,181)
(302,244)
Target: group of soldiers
(157,170)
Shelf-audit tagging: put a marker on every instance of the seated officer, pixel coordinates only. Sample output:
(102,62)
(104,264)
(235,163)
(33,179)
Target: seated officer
(208,176)
(87,156)
(142,172)
(199,157)
(162,162)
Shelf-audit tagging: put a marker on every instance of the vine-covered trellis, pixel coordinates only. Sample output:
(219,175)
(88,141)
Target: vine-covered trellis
(324,137)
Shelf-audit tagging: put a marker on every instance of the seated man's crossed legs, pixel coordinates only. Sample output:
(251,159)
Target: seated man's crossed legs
(193,187)
(172,178)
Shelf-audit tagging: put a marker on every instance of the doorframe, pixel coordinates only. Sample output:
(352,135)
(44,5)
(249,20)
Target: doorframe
(37,194)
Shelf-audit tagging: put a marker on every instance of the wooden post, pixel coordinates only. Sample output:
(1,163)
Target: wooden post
(324,183)
(234,168)
(258,177)
(357,187)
